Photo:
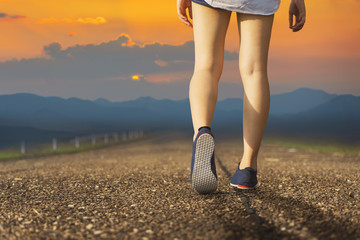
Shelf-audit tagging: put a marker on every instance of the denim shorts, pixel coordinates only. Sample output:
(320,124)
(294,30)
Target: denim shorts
(202,2)
(260,7)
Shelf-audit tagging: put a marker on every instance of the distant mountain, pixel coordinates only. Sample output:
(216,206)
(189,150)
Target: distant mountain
(103,102)
(230,104)
(296,101)
(341,107)
(159,106)
(299,100)
(338,118)
(301,112)
(48,113)
(81,117)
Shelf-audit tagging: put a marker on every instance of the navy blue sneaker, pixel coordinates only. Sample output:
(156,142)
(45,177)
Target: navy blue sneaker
(244,178)
(203,170)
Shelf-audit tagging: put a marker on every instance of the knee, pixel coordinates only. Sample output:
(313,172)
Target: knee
(251,69)
(209,66)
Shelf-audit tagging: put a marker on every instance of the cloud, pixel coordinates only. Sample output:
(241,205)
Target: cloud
(88,20)
(160,63)
(98,20)
(53,49)
(119,58)
(106,69)
(7,17)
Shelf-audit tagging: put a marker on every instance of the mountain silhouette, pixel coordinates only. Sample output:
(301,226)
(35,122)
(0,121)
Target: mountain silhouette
(336,119)
(305,112)
(297,101)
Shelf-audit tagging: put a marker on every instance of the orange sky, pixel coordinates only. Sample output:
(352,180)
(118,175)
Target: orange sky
(329,38)
(332,28)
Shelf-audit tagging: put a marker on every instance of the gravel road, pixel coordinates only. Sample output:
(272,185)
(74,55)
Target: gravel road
(141,190)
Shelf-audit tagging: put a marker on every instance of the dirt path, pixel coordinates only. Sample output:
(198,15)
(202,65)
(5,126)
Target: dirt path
(141,190)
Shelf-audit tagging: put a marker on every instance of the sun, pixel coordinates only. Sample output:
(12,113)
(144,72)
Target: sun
(137,77)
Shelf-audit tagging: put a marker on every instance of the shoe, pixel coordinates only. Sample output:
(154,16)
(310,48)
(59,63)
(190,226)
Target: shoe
(203,175)
(244,178)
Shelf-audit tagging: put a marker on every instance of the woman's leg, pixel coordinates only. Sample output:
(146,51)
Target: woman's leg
(255,33)
(210,26)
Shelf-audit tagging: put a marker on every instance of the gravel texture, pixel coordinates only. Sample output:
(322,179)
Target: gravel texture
(141,190)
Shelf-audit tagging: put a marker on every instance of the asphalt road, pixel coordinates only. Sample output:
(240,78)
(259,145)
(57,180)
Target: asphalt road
(141,190)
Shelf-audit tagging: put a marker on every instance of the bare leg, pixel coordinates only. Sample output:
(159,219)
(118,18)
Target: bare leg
(255,34)
(210,26)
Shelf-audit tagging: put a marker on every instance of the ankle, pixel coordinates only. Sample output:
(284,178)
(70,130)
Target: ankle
(245,164)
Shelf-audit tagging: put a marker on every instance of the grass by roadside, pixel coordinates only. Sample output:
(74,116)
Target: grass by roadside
(10,155)
(316,145)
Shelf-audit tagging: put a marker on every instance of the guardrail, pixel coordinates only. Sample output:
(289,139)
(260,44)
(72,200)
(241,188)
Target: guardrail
(93,138)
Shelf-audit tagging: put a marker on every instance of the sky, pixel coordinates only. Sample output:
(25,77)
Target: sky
(122,50)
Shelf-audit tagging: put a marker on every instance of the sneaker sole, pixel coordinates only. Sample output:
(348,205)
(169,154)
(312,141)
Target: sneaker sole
(241,186)
(203,179)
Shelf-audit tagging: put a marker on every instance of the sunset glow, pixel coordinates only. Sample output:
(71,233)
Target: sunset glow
(31,24)
(324,54)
